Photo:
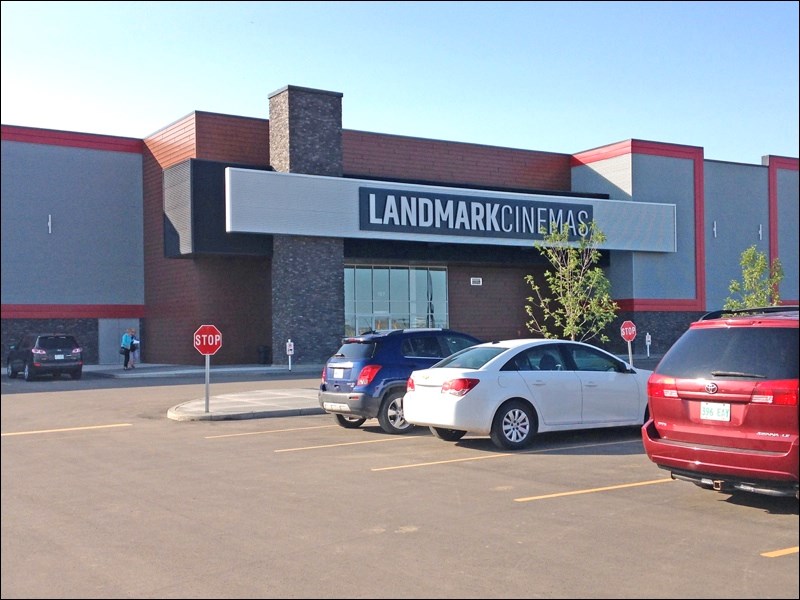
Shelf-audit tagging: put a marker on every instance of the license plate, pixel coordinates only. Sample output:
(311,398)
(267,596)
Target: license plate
(59,357)
(715,411)
(338,373)
(336,406)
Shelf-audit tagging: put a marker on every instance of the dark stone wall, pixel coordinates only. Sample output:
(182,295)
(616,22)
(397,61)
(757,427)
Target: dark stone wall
(305,136)
(307,298)
(305,133)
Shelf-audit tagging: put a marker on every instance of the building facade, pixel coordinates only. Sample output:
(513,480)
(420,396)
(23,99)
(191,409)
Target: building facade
(292,228)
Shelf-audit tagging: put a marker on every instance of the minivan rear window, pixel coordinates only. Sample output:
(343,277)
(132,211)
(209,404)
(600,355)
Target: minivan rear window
(764,352)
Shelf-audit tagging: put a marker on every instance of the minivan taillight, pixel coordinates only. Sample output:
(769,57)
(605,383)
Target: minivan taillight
(368,374)
(780,392)
(324,374)
(660,386)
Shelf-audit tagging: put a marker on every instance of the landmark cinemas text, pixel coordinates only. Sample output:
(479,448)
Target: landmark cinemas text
(446,214)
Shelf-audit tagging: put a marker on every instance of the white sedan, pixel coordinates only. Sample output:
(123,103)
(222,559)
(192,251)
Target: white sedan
(513,389)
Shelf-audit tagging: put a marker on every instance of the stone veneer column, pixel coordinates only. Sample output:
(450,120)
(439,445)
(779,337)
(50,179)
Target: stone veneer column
(305,136)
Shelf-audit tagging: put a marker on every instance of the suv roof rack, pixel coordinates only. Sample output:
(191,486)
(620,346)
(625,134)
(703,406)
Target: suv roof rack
(716,314)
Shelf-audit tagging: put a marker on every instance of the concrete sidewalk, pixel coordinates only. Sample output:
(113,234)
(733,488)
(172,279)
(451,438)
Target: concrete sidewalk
(256,404)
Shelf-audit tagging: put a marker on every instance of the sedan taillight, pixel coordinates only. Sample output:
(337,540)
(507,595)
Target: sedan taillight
(410,384)
(460,386)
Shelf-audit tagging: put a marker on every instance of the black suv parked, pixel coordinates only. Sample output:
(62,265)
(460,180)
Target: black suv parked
(367,376)
(723,403)
(45,354)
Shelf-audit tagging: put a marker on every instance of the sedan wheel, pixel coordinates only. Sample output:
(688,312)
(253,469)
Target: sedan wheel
(514,426)
(349,422)
(390,415)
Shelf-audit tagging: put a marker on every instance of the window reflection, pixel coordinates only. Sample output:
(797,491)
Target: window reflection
(394,298)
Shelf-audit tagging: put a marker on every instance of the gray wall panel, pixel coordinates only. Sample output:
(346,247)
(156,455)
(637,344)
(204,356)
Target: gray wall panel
(92,252)
(666,275)
(612,177)
(736,206)
(788,228)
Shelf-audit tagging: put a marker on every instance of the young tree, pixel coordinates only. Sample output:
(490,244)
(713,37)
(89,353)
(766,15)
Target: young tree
(578,303)
(759,284)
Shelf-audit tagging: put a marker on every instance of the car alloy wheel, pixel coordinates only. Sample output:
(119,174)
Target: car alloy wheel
(390,415)
(514,426)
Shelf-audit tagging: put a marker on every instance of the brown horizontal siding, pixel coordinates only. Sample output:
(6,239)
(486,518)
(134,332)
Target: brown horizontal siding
(386,156)
(182,294)
(230,139)
(494,310)
(174,143)
(169,284)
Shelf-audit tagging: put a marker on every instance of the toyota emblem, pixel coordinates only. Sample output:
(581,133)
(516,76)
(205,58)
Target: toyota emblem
(711,388)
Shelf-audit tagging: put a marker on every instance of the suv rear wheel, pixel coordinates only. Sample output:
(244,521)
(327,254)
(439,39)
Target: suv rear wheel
(390,415)
(28,373)
(349,422)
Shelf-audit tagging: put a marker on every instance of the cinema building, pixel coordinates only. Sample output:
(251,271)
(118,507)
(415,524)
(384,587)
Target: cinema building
(290,227)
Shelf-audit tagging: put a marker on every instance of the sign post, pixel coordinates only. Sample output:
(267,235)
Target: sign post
(289,351)
(207,340)
(628,332)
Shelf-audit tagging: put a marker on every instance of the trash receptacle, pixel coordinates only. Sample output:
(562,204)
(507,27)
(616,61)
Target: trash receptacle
(264,357)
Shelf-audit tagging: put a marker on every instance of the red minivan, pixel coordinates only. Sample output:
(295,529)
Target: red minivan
(724,403)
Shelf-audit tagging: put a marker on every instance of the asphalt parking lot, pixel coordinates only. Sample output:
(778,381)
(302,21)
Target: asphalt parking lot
(104,496)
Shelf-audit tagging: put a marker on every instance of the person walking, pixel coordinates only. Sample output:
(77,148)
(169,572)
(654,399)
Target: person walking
(134,348)
(125,348)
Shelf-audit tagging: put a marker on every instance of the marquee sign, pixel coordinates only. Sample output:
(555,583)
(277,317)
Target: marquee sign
(268,202)
(383,209)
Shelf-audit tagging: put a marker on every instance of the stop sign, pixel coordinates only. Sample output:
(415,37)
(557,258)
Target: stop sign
(207,339)
(628,331)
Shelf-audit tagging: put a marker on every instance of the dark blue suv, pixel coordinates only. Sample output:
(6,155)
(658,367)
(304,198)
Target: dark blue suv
(367,376)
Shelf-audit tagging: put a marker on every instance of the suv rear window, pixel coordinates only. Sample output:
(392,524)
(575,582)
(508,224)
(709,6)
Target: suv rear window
(355,350)
(760,353)
(57,341)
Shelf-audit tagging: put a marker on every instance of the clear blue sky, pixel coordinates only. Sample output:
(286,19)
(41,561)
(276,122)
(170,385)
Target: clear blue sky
(550,76)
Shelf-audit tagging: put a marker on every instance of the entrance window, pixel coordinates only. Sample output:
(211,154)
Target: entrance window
(394,298)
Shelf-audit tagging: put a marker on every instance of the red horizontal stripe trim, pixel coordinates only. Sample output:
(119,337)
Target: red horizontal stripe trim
(73,311)
(631,304)
(784,162)
(635,147)
(50,137)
